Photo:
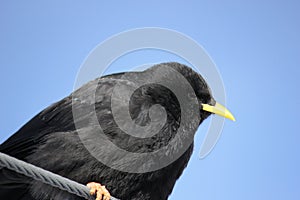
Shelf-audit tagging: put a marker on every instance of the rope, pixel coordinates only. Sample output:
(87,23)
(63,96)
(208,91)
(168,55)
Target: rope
(45,176)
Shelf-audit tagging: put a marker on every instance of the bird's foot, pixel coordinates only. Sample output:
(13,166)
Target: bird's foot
(99,190)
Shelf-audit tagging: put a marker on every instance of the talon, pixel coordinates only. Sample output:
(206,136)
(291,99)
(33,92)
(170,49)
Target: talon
(100,191)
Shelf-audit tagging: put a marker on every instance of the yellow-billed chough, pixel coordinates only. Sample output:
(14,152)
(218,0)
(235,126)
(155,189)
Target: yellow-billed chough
(58,138)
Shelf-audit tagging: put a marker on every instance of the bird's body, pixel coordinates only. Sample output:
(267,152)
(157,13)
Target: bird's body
(51,141)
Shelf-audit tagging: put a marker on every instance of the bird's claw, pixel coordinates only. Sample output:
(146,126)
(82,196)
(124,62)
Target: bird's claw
(99,190)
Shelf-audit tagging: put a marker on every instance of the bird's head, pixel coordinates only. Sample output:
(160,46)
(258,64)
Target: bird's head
(207,104)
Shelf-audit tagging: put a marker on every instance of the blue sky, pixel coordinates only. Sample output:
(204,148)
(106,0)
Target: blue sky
(255,45)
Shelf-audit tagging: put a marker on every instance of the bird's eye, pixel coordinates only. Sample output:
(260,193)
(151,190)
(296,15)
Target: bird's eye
(205,98)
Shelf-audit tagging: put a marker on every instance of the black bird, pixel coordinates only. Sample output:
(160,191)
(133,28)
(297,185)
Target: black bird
(51,140)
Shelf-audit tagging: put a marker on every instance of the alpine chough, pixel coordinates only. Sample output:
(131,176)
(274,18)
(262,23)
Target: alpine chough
(51,139)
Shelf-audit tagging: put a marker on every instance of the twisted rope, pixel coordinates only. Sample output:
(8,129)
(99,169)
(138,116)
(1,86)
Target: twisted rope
(45,176)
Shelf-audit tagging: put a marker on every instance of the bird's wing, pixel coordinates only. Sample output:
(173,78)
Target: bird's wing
(23,142)
(54,120)
(21,145)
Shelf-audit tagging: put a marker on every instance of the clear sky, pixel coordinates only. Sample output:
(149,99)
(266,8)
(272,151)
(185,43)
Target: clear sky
(255,45)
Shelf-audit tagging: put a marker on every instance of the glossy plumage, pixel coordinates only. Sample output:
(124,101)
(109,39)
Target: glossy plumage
(50,140)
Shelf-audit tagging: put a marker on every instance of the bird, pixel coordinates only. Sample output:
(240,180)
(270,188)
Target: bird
(51,140)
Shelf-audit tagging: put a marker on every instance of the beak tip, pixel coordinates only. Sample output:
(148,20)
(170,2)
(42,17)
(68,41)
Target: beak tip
(232,118)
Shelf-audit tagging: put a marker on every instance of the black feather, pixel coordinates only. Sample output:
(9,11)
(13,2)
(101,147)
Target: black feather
(50,140)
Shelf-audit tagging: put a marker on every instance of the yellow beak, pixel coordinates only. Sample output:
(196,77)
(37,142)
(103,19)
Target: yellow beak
(219,110)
